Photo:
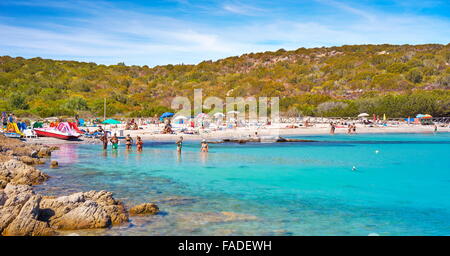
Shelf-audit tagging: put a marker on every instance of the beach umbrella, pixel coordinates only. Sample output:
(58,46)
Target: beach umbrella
(111,121)
(384,117)
(363,115)
(218,114)
(202,115)
(51,119)
(166,114)
(420,116)
(179,117)
(427,116)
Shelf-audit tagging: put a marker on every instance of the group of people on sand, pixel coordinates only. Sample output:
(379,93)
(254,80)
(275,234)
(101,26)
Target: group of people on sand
(115,142)
(11,118)
(351,128)
(132,125)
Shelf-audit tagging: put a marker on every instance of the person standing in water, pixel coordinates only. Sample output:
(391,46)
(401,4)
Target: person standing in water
(435,128)
(104,139)
(179,144)
(129,141)
(332,128)
(115,142)
(204,147)
(139,143)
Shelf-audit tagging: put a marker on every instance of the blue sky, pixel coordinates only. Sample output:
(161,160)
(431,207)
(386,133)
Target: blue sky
(158,32)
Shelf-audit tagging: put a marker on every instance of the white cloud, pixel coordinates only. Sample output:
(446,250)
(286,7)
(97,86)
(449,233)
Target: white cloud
(147,39)
(242,9)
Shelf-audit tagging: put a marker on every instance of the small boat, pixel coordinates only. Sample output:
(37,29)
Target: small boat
(43,132)
(63,131)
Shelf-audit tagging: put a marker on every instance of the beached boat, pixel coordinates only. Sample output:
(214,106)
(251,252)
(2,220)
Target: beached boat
(63,131)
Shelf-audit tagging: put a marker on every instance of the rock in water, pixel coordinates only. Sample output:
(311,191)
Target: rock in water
(27,223)
(17,172)
(19,214)
(24,213)
(84,210)
(54,164)
(44,152)
(146,208)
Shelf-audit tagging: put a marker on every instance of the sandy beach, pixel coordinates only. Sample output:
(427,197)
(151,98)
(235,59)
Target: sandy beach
(152,133)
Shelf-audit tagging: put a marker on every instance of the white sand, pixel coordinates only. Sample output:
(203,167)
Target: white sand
(318,129)
(152,133)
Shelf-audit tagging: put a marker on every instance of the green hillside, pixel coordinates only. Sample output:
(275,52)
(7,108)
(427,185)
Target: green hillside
(398,80)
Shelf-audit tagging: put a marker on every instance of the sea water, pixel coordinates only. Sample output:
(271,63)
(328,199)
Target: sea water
(378,184)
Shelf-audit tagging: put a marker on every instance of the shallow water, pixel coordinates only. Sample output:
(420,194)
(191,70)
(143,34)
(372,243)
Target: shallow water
(279,188)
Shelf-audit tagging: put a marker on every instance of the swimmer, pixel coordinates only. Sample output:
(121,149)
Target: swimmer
(115,141)
(204,147)
(104,139)
(139,143)
(179,144)
(354,168)
(129,141)
(332,128)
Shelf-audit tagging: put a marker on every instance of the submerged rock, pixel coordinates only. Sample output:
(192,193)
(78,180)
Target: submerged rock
(146,208)
(201,218)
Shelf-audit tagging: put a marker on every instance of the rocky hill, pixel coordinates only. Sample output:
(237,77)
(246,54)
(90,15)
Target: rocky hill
(346,79)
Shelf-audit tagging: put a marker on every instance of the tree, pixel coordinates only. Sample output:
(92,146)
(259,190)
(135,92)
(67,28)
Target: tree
(18,101)
(414,75)
(76,103)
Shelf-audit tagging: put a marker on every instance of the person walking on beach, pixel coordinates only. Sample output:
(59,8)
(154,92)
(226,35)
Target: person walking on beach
(115,141)
(129,141)
(179,144)
(204,147)
(139,144)
(104,139)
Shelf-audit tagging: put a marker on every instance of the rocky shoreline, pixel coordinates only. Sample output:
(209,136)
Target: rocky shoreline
(25,213)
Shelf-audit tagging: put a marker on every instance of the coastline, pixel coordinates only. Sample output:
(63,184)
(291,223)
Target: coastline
(23,212)
(86,198)
(149,134)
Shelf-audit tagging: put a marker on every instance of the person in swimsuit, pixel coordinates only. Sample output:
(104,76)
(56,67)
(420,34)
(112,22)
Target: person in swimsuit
(332,128)
(115,142)
(205,146)
(139,143)
(354,128)
(104,139)
(129,141)
(179,144)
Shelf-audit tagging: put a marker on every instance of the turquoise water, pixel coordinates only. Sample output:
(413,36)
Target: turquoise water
(277,188)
